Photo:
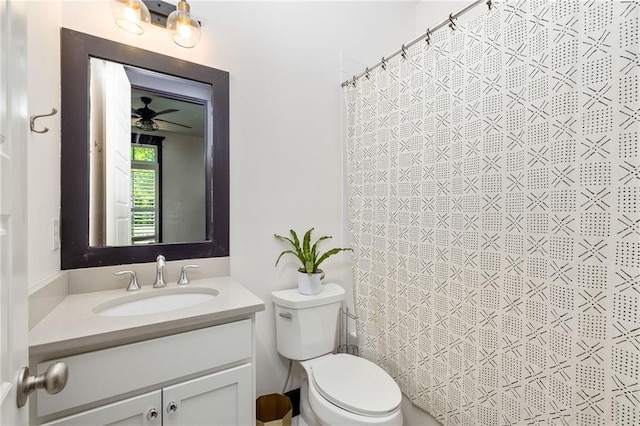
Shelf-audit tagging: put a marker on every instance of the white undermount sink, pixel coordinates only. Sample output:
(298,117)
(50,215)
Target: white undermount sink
(155,301)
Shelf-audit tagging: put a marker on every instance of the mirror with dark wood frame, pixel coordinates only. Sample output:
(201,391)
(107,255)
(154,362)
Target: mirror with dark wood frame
(83,241)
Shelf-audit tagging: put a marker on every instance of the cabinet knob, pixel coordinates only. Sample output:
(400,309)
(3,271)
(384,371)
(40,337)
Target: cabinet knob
(172,407)
(152,414)
(53,381)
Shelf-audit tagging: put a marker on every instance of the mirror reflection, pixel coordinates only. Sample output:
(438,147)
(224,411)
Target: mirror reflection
(147,156)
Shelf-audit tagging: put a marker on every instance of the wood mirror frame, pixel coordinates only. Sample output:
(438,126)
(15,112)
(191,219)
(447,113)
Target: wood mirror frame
(76,49)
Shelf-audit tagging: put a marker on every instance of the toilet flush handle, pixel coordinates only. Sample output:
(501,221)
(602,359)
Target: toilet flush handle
(286,315)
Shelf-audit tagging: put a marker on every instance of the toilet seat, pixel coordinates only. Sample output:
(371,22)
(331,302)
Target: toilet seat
(356,385)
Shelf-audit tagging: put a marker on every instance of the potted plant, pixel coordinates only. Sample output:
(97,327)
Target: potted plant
(309,276)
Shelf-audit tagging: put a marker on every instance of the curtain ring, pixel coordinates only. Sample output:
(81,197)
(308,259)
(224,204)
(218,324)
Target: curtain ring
(383,63)
(353,81)
(404,52)
(489,4)
(452,24)
(428,37)
(366,73)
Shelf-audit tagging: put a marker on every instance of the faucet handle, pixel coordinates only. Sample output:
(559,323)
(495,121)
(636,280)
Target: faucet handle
(184,279)
(133,282)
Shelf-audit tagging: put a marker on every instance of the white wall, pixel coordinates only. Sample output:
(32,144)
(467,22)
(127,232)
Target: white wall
(284,61)
(43,175)
(97,196)
(286,164)
(183,188)
(429,13)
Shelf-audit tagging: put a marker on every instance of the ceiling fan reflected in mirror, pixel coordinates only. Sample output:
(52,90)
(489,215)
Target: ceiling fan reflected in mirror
(147,118)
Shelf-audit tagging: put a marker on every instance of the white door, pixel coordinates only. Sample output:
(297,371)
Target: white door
(13,229)
(117,110)
(220,399)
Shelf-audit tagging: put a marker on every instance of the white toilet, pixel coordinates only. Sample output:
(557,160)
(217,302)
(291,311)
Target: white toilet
(338,389)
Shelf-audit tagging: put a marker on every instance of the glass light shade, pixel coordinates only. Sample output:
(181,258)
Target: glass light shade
(148,125)
(184,30)
(131,14)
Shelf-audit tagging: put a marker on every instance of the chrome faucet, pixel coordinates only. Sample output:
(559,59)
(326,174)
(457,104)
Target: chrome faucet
(160,263)
(133,281)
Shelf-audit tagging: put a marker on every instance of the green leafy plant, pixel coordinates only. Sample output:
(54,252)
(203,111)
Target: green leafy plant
(306,253)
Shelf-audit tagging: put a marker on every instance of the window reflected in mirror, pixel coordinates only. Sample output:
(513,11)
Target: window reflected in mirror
(145,187)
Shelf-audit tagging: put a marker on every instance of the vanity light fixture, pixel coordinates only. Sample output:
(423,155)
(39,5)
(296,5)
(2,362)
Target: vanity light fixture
(131,14)
(183,28)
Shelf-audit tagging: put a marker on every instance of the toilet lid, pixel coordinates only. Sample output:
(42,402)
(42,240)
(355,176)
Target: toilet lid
(356,385)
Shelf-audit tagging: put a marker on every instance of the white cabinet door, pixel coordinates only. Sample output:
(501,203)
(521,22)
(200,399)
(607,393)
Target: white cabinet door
(220,399)
(136,411)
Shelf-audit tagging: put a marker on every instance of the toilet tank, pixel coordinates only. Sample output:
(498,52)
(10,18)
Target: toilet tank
(306,326)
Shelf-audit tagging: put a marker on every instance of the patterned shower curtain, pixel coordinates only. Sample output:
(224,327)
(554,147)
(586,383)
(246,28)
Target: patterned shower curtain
(494,207)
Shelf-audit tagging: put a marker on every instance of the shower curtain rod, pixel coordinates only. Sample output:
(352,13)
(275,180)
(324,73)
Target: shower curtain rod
(423,36)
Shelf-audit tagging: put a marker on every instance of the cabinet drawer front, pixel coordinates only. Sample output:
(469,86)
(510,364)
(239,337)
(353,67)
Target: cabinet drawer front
(107,373)
(130,412)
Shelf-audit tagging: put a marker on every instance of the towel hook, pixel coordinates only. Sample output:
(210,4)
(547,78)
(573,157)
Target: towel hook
(32,121)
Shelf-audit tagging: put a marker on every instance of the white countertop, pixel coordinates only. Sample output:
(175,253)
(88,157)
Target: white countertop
(73,327)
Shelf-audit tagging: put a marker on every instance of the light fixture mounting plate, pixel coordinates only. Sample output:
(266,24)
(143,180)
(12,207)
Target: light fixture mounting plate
(159,11)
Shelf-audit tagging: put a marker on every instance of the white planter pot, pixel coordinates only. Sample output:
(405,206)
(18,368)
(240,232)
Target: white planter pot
(310,284)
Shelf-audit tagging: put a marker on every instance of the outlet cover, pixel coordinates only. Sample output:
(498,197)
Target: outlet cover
(55,228)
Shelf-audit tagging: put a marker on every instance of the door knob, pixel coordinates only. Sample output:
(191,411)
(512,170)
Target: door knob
(172,407)
(53,381)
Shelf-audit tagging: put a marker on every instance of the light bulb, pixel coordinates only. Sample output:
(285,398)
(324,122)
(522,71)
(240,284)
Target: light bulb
(184,30)
(131,14)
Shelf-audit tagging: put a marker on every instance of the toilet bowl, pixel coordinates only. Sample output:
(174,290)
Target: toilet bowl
(336,390)
(346,390)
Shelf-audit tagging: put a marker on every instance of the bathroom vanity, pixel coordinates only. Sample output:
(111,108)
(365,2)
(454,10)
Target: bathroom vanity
(190,365)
